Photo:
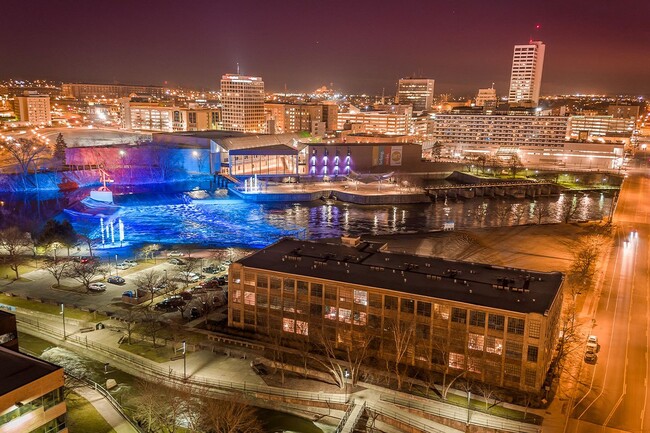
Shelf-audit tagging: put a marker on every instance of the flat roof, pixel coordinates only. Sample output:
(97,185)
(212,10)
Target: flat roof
(369,264)
(19,370)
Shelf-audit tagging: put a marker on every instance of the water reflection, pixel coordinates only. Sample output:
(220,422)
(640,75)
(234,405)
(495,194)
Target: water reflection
(173,217)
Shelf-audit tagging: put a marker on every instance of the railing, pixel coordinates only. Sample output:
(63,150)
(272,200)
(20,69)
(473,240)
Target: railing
(345,417)
(143,365)
(402,418)
(488,185)
(458,413)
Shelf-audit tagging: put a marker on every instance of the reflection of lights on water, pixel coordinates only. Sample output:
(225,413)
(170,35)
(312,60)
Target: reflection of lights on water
(403,217)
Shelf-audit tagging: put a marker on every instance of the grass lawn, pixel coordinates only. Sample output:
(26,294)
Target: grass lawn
(70,312)
(83,417)
(146,350)
(6,271)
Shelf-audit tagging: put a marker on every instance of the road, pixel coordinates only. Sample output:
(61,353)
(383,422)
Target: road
(613,393)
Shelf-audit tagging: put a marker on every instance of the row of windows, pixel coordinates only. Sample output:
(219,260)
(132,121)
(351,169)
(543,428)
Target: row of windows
(46,401)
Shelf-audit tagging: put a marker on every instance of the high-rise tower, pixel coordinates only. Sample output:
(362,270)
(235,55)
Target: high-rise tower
(526,77)
(243,103)
(417,92)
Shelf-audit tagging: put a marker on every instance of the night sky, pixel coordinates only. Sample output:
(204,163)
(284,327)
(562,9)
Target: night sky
(596,46)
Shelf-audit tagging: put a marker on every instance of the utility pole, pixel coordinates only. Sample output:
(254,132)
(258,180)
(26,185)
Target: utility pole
(184,360)
(63,317)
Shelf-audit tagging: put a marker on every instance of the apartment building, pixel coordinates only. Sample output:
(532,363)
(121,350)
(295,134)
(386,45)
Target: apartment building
(31,394)
(492,324)
(526,74)
(108,91)
(34,108)
(243,103)
(293,117)
(416,92)
(152,116)
(392,120)
(594,127)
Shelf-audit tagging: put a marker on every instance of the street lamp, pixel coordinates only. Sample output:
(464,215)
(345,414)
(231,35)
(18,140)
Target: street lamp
(117,273)
(469,397)
(184,360)
(63,317)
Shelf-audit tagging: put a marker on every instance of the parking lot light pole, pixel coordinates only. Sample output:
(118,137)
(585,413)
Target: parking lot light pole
(184,360)
(117,272)
(63,317)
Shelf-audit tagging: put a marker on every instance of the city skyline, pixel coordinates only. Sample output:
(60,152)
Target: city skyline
(361,48)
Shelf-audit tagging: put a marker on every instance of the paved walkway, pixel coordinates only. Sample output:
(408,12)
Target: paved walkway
(106,410)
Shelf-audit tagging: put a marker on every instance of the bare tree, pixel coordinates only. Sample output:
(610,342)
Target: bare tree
(503,213)
(150,326)
(229,415)
(57,268)
(402,334)
(514,165)
(14,244)
(25,151)
(490,392)
(569,207)
(84,273)
(586,251)
(149,251)
(346,360)
(150,281)
(186,269)
(518,212)
(542,210)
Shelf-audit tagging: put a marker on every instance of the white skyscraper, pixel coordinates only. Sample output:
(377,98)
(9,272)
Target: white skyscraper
(417,92)
(526,77)
(243,103)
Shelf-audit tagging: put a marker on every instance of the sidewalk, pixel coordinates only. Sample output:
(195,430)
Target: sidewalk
(106,410)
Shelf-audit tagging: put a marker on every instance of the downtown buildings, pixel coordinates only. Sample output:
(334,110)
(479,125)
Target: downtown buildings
(242,98)
(33,108)
(491,324)
(108,91)
(416,92)
(526,74)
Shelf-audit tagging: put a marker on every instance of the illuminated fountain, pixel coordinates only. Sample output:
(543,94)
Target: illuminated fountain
(252,185)
(107,232)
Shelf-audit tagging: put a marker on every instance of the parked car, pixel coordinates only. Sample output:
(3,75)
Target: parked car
(592,343)
(591,357)
(130,262)
(211,269)
(174,253)
(123,266)
(186,295)
(189,276)
(175,261)
(114,279)
(170,303)
(129,294)
(195,313)
(97,287)
(223,279)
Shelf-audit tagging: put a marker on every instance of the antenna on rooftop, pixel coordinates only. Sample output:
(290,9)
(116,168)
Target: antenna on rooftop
(237,68)
(382,95)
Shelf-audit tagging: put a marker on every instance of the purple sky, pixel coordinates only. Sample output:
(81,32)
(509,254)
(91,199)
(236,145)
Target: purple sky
(595,46)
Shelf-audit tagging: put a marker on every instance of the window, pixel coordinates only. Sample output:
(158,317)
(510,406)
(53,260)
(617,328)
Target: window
(475,341)
(477,318)
(374,321)
(236,297)
(302,328)
(288,324)
(474,365)
(289,286)
(534,328)
(316,290)
(512,372)
(422,331)
(456,360)
(496,322)
(262,281)
(531,377)
(276,283)
(330,312)
(441,311)
(276,302)
(249,318)
(532,353)
(236,316)
(249,279)
(424,309)
(375,301)
(345,295)
(315,309)
(345,315)
(360,318)
(408,306)
(330,293)
(513,350)
(262,300)
(390,302)
(361,297)
(289,305)
(458,315)
(494,345)
(516,326)
(249,298)
(303,287)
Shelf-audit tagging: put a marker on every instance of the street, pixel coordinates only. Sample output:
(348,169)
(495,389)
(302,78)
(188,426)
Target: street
(613,393)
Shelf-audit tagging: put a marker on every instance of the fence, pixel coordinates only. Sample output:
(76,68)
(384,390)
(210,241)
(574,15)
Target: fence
(401,417)
(142,365)
(462,414)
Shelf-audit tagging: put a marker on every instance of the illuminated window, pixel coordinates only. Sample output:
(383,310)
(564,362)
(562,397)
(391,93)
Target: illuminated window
(236,297)
(441,311)
(288,325)
(249,298)
(494,345)
(330,312)
(474,365)
(475,341)
(345,315)
(361,297)
(360,318)
(302,328)
(456,360)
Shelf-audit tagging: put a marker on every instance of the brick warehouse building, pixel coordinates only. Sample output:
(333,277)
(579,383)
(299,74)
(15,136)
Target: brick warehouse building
(494,324)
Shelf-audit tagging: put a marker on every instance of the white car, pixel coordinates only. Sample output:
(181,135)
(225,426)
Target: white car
(174,253)
(123,266)
(130,262)
(592,343)
(189,276)
(97,287)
